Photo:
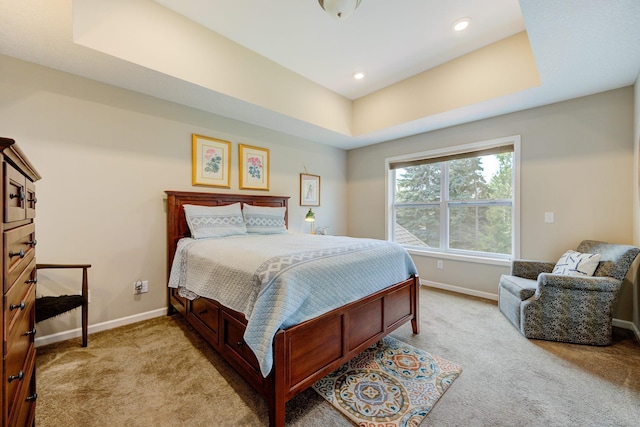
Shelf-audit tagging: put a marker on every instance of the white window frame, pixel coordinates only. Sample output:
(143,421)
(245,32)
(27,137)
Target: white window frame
(495,259)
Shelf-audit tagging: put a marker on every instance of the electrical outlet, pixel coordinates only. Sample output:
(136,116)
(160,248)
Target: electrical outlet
(140,287)
(440,264)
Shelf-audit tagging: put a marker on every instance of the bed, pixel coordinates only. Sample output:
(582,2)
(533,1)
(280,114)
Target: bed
(301,353)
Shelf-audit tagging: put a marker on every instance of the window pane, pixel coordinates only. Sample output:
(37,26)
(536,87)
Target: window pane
(497,170)
(418,183)
(480,228)
(466,181)
(418,226)
(481,178)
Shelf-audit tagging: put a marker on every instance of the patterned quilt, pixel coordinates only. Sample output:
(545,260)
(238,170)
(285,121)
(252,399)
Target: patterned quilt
(280,280)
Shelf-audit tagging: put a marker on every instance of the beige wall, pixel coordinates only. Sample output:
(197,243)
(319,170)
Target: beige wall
(106,156)
(636,197)
(577,161)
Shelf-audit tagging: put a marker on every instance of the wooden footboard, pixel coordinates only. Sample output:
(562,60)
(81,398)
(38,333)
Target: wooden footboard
(306,352)
(303,353)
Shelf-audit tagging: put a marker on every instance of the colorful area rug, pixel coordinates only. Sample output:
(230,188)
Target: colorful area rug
(390,384)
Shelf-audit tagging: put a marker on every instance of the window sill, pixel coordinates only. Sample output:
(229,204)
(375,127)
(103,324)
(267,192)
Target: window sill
(463,258)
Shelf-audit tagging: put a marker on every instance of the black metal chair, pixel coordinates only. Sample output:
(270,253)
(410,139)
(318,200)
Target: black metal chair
(51,306)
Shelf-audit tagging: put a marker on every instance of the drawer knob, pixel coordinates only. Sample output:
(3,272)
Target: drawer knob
(21,306)
(34,200)
(18,196)
(201,312)
(241,343)
(20,254)
(31,332)
(34,280)
(33,243)
(31,398)
(20,376)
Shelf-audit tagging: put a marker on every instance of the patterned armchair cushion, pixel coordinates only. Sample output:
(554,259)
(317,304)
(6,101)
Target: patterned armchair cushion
(518,286)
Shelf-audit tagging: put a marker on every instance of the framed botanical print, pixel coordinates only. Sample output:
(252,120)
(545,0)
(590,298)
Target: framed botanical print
(309,190)
(210,161)
(254,167)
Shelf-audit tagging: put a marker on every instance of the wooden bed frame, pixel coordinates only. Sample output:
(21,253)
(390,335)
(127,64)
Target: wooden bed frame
(303,353)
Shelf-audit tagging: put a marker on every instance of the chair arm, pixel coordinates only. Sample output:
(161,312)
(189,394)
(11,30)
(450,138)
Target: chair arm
(579,283)
(39,266)
(85,280)
(530,269)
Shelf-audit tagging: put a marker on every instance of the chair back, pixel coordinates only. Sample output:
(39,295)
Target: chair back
(615,259)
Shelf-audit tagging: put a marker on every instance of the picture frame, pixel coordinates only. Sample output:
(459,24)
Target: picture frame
(309,190)
(210,161)
(253,167)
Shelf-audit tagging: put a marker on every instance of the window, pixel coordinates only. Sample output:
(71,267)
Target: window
(462,200)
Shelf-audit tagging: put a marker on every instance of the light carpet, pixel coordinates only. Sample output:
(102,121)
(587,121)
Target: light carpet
(160,372)
(391,384)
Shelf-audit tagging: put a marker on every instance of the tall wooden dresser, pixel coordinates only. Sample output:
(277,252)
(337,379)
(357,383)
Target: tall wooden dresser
(18,284)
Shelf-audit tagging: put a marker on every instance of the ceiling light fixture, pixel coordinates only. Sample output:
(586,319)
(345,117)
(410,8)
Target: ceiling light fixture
(339,9)
(358,75)
(461,24)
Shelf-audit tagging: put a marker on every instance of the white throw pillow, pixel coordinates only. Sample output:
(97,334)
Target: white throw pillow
(214,221)
(264,219)
(574,263)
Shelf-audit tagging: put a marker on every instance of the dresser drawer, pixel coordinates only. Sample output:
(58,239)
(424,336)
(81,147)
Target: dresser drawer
(19,333)
(19,298)
(19,251)
(234,341)
(19,365)
(15,194)
(30,203)
(25,406)
(207,313)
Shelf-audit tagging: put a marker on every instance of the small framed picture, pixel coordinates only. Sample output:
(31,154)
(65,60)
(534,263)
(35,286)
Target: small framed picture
(254,167)
(210,162)
(309,190)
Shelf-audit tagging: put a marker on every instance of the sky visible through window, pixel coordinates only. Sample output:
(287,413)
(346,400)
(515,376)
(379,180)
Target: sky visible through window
(490,167)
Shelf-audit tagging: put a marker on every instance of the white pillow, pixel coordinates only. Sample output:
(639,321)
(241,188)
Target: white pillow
(264,219)
(574,263)
(214,221)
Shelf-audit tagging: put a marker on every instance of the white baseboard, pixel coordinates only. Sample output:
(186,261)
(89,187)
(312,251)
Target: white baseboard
(624,324)
(459,290)
(74,333)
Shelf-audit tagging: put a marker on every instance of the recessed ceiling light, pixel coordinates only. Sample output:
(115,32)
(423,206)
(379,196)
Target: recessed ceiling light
(358,75)
(461,24)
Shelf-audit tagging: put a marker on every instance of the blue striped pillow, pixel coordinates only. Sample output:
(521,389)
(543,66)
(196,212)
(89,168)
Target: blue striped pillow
(264,219)
(214,221)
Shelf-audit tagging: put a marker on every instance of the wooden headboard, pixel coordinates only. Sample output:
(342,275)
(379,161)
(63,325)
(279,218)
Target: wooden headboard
(177,227)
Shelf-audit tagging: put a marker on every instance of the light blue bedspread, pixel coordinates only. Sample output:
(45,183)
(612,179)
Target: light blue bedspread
(280,280)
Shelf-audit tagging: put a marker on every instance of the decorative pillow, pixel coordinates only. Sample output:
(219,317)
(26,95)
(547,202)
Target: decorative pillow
(574,263)
(214,221)
(264,219)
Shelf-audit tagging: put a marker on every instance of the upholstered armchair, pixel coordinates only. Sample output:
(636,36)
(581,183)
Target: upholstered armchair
(576,309)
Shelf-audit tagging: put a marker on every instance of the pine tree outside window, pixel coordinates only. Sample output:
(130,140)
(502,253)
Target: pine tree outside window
(462,200)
